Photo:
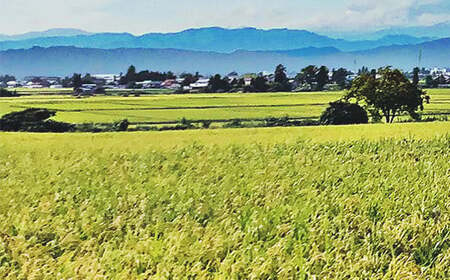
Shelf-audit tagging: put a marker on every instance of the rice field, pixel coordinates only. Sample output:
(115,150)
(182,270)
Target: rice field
(172,108)
(324,202)
(347,202)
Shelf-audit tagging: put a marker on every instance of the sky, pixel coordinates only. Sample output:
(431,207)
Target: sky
(144,16)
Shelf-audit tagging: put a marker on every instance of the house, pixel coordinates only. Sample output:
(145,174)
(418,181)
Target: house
(233,76)
(89,86)
(107,78)
(171,84)
(33,85)
(199,85)
(13,84)
(248,81)
(145,84)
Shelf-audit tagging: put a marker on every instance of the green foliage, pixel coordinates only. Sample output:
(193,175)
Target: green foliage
(281,81)
(340,77)
(76,81)
(33,120)
(390,94)
(280,75)
(131,77)
(7,78)
(258,84)
(118,126)
(343,113)
(416,72)
(116,207)
(165,108)
(322,77)
(312,76)
(236,123)
(6,93)
(218,84)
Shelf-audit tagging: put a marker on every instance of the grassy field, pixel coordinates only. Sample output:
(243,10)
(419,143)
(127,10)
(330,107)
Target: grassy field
(171,108)
(347,202)
(322,202)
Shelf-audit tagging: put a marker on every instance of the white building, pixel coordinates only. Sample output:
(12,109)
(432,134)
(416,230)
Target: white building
(12,84)
(108,78)
(200,84)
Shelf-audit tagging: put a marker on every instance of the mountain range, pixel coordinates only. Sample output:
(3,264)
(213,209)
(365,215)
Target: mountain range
(216,50)
(67,60)
(42,34)
(211,39)
(440,30)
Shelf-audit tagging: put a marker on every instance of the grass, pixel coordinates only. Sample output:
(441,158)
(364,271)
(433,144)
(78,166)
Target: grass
(136,141)
(334,202)
(167,108)
(347,202)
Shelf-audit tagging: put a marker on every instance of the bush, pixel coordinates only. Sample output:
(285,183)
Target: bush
(33,120)
(233,124)
(206,124)
(103,127)
(343,113)
(7,93)
(100,90)
(273,122)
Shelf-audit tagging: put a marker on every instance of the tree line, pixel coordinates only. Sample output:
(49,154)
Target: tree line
(310,78)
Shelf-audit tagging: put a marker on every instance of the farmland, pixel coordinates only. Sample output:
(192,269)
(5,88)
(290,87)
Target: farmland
(321,202)
(364,201)
(163,108)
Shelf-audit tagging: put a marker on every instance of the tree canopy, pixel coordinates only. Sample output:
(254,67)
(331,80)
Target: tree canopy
(343,113)
(387,94)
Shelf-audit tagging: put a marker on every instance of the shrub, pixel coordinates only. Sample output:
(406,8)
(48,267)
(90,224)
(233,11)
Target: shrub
(103,127)
(233,124)
(33,120)
(7,93)
(206,123)
(272,122)
(343,113)
(100,90)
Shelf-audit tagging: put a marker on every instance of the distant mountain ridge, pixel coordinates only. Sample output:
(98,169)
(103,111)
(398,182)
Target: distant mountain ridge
(63,32)
(61,61)
(436,31)
(212,39)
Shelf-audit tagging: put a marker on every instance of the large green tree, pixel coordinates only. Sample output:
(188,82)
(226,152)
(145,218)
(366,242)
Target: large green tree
(416,72)
(217,84)
(77,82)
(130,76)
(322,77)
(307,75)
(259,84)
(389,94)
(280,75)
(340,77)
(281,81)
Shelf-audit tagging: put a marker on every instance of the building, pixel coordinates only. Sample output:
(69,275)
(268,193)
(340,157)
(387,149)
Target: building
(199,85)
(248,81)
(13,84)
(171,84)
(107,78)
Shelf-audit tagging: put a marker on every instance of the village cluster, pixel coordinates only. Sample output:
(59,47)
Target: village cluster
(184,82)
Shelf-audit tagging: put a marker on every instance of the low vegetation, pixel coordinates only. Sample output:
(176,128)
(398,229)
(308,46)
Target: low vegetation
(125,206)
(7,93)
(343,113)
(33,120)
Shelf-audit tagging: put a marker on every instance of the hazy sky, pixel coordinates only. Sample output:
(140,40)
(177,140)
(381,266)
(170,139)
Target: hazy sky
(142,16)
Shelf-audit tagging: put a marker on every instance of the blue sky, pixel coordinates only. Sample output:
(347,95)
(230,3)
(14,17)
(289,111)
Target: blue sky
(142,16)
